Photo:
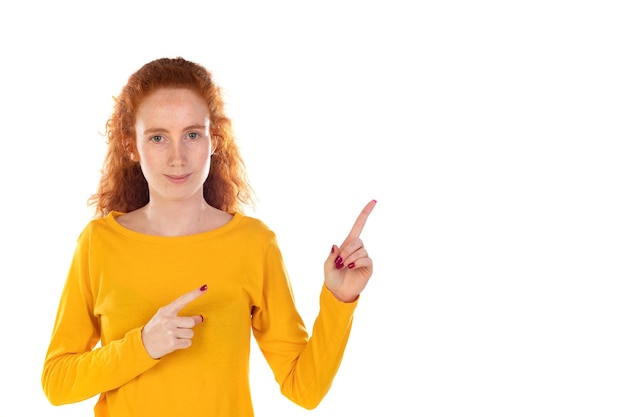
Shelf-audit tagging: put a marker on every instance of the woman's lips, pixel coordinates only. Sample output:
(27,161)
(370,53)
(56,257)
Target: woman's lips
(178,179)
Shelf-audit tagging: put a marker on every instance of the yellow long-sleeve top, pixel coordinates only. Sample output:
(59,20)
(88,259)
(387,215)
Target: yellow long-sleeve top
(119,278)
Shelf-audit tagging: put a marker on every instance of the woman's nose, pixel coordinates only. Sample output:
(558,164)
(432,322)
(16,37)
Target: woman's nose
(177,154)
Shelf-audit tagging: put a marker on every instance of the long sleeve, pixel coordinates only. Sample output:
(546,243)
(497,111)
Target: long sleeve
(304,367)
(118,280)
(73,369)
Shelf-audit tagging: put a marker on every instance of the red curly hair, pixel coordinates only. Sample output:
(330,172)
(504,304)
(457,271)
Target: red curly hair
(123,186)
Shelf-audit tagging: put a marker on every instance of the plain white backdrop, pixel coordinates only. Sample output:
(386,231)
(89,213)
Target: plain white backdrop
(491,133)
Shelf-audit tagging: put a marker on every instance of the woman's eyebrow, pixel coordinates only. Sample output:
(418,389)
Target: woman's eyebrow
(162,129)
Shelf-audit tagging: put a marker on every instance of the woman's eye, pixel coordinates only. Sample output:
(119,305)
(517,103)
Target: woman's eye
(157,139)
(193,135)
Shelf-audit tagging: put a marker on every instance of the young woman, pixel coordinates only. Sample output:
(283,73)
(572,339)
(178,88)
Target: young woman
(170,279)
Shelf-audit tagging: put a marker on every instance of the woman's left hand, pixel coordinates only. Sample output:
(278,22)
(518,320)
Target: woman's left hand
(348,267)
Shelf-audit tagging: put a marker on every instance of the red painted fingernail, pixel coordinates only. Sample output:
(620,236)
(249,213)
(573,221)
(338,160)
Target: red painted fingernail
(338,260)
(332,250)
(203,288)
(339,266)
(351,265)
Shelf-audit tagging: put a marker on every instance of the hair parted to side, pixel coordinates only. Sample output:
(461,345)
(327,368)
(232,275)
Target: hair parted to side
(123,186)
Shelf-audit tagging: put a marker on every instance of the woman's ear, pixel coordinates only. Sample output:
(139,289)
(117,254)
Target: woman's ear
(214,142)
(130,151)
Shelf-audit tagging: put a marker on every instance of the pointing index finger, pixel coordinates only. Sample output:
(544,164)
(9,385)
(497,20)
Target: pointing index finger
(360,221)
(178,304)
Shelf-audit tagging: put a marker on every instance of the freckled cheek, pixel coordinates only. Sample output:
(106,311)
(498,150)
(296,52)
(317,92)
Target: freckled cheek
(200,153)
(204,160)
(151,162)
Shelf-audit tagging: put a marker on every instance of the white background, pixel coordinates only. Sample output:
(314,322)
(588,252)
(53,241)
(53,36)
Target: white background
(490,132)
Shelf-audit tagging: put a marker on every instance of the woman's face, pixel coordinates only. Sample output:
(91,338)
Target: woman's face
(174,143)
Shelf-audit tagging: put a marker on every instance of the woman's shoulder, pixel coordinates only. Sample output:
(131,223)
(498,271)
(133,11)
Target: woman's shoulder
(253,223)
(98,225)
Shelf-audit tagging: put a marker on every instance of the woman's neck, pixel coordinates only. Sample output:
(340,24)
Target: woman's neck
(175,218)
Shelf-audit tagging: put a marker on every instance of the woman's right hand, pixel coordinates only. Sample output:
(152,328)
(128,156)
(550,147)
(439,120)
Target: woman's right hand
(167,331)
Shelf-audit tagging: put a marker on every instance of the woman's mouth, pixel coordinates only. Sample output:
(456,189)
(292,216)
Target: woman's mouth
(177,179)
